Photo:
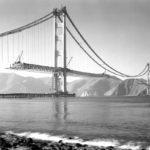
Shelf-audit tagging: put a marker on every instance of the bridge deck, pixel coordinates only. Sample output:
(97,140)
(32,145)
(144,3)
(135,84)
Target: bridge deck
(48,69)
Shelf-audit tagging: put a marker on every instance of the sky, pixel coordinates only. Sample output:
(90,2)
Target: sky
(118,30)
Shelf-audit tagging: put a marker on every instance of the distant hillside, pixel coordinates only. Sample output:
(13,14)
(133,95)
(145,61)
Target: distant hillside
(112,86)
(94,86)
(12,83)
(131,87)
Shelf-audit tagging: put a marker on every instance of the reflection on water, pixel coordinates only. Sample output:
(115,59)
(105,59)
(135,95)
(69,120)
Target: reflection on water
(95,117)
(61,111)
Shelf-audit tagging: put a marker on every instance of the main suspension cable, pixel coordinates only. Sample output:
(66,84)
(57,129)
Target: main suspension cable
(142,73)
(90,55)
(29,25)
(121,74)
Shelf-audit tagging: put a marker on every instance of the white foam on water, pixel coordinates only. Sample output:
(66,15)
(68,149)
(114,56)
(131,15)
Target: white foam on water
(131,145)
(40,136)
(96,142)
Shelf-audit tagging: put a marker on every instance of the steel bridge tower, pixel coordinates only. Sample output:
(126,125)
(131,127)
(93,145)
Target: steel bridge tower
(59,74)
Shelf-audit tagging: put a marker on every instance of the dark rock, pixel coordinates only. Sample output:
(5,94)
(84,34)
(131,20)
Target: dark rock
(35,147)
(79,145)
(7,145)
(70,147)
(110,147)
(2,141)
(22,141)
(103,149)
(60,141)
(8,142)
(44,144)
(14,145)
(29,142)
(4,148)
(54,147)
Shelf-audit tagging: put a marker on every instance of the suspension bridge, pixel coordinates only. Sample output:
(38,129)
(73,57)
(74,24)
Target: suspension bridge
(41,46)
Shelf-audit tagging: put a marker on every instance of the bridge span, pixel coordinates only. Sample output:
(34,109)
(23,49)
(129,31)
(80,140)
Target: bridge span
(48,69)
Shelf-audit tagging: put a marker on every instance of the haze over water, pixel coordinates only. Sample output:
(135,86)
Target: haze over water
(119,120)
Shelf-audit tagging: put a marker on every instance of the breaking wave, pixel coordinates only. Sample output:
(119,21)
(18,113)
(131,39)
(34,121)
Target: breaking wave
(96,142)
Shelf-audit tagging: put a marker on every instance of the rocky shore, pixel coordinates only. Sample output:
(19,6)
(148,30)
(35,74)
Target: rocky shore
(13,142)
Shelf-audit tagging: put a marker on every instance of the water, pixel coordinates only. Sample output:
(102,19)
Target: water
(121,122)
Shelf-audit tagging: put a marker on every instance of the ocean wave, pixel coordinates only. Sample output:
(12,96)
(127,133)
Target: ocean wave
(131,145)
(96,142)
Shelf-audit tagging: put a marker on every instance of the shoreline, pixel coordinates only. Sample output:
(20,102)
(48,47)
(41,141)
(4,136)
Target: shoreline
(45,95)
(13,142)
(35,95)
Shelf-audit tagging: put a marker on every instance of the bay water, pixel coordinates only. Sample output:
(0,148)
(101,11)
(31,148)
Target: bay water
(123,122)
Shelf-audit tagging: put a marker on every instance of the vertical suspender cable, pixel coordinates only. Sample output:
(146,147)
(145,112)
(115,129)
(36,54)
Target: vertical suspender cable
(13,47)
(22,44)
(38,43)
(44,49)
(7,49)
(27,47)
(2,50)
(33,41)
(18,44)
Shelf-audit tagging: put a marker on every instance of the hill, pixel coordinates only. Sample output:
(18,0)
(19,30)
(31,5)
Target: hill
(94,86)
(12,83)
(131,87)
(112,86)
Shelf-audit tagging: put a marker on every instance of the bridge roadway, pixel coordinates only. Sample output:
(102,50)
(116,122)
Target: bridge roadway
(39,68)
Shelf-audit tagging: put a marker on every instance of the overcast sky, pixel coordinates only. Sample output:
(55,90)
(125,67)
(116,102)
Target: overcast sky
(118,30)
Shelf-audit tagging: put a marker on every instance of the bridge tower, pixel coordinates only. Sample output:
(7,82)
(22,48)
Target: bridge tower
(59,74)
